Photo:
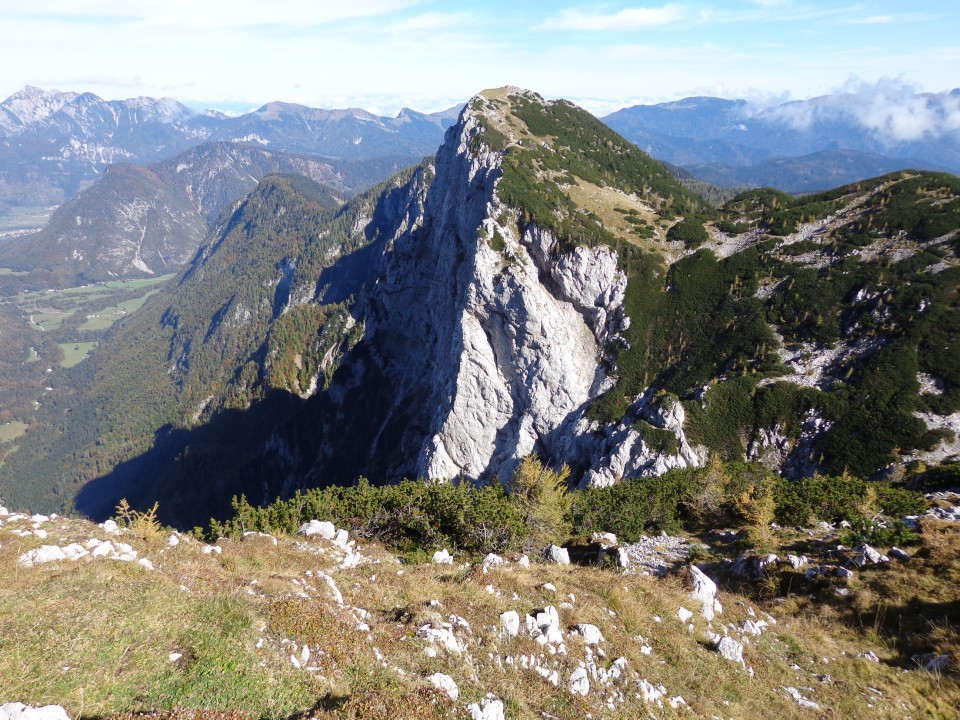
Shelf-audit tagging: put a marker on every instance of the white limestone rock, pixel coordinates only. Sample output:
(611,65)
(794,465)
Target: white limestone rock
(591,634)
(19,711)
(704,591)
(510,623)
(607,540)
(323,528)
(547,626)
(490,708)
(445,684)
(110,527)
(442,557)
(579,682)
(729,648)
(557,554)
(40,555)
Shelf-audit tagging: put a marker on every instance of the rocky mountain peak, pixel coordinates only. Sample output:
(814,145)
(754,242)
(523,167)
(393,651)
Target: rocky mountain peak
(32,104)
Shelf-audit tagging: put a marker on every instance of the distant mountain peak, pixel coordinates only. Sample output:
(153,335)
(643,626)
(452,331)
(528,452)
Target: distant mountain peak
(32,104)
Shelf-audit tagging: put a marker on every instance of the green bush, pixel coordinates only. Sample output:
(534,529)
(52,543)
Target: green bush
(689,231)
(633,508)
(408,516)
(864,530)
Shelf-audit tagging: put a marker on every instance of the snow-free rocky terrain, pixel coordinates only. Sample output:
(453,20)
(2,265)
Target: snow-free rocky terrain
(129,617)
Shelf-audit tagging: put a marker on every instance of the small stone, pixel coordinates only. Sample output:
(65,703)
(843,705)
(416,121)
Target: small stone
(490,708)
(591,634)
(604,538)
(684,614)
(801,700)
(442,557)
(557,554)
(704,590)
(491,560)
(110,527)
(323,528)
(174,656)
(510,623)
(341,538)
(19,711)
(524,561)
(145,563)
(867,555)
(173,540)
(729,649)
(549,587)
(445,684)
(797,561)
(899,554)
(579,682)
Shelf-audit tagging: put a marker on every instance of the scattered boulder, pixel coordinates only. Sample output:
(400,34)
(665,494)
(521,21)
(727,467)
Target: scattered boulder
(801,700)
(579,682)
(445,684)
(490,708)
(491,560)
(19,711)
(42,554)
(899,554)
(867,555)
(545,626)
(110,527)
(729,648)
(557,554)
(442,557)
(684,614)
(591,634)
(510,623)
(253,535)
(932,662)
(705,591)
(323,528)
(342,538)
(753,567)
(607,540)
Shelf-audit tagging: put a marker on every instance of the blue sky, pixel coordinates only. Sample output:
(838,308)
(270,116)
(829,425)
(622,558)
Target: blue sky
(428,54)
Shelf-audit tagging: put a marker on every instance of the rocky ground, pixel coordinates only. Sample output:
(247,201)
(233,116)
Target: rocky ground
(105,620)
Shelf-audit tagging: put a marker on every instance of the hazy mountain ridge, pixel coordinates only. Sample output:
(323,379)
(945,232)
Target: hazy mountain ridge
(916,131)
(140,220)
(53,144)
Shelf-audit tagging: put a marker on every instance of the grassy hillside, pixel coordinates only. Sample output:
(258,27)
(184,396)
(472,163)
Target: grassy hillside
(279,626)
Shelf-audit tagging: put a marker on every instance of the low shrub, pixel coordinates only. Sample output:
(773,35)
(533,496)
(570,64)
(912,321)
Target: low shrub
(409,515)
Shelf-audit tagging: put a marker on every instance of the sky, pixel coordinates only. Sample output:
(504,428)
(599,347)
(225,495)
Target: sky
(429,55)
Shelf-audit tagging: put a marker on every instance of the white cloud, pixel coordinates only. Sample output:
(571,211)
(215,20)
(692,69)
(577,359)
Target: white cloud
(624,20)
(891,109)
(214,14)
(872,20)
(430,22)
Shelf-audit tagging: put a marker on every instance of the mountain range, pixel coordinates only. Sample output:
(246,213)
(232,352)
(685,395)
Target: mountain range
(147,220)
(801,145)
(541,286)
(54,144)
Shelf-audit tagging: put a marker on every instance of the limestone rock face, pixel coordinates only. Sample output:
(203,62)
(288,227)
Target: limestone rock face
(489,339)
